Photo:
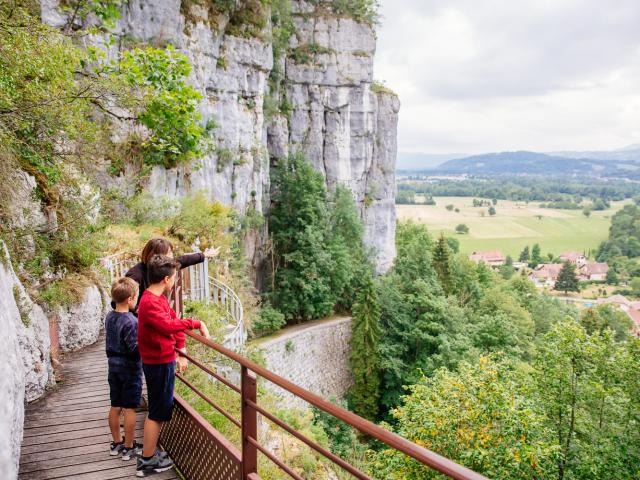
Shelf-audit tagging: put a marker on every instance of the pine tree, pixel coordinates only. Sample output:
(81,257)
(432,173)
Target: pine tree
(364,395)
(567,280)
(524,255)
(536,256)
(442,263)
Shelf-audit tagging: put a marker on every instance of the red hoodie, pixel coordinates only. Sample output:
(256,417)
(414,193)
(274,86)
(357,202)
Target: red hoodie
(160,330)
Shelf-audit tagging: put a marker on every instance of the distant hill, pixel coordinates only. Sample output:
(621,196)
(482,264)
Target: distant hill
(420,161)
(532,163)
(629,153)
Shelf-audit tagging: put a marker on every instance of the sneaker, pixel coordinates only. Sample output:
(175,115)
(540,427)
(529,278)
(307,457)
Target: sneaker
(116,448)
(157,464)
(134,451)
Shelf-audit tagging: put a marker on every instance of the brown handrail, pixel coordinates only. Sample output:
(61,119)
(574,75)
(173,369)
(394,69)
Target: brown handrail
(325,453)
(209,401)
(208,371)
(423,455)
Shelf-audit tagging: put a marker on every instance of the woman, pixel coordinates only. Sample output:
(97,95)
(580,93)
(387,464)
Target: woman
(160,246)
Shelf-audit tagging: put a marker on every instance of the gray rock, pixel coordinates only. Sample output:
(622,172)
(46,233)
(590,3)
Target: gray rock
(26,368)
(347,132)
(79,325)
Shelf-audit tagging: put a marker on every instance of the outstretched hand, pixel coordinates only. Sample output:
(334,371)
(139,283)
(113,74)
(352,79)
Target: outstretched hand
(204,331)
(212,252)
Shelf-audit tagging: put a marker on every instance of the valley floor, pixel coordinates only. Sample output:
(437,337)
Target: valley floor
(515,225)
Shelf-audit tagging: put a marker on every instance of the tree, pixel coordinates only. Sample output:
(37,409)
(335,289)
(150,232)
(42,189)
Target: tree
(635,286)
(442,263)
(567,280)
(536,256)
(580,381)
(586,211)
(449,207)
(462,228)
(454,244)
(364,395)
(507,271)
(612,277)
(480,416)
(598,319)
(492,211)
(494,201)
(310,259)
(524,255)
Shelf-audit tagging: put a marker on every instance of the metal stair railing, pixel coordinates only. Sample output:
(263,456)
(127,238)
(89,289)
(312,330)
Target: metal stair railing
(226,298)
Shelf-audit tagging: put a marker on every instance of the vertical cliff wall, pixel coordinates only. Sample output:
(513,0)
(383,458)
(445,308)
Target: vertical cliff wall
(326,106)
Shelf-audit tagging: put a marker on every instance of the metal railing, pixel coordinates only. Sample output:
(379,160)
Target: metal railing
(243,465)
(227,299)
(194,283)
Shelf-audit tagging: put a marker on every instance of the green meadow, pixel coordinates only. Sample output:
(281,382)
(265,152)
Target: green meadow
(515,225)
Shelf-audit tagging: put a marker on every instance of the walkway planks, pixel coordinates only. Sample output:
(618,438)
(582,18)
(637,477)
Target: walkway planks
(66,435)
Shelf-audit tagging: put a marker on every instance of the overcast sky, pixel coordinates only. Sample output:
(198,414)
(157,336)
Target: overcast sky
(490,75)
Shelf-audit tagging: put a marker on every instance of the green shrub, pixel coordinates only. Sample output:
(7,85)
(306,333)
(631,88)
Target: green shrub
(306,53)
(198,218)
(170,104)
(365,11)
(268,321)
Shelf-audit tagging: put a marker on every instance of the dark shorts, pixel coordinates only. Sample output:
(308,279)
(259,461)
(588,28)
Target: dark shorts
(160,380)
(125,389)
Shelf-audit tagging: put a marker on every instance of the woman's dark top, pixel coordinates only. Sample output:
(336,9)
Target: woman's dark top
(139,272)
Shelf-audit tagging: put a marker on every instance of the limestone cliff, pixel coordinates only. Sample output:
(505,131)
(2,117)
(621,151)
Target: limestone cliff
(327,106)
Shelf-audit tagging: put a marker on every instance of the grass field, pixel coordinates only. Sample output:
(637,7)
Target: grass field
(514,226)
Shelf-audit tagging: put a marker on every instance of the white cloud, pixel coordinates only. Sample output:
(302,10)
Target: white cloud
(512,74)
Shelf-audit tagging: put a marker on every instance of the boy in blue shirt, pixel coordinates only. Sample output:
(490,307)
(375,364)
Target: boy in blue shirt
(125,367)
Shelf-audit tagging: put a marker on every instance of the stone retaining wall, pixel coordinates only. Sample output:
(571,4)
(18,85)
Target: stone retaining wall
(314,356)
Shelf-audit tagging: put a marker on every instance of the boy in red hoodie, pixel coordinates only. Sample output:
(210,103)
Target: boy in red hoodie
(160,332)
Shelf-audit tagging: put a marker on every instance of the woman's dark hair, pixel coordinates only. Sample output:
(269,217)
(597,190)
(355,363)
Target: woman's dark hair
(155,246)
(161,266)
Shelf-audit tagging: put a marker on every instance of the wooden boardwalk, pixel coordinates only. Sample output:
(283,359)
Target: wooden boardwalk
(66,433)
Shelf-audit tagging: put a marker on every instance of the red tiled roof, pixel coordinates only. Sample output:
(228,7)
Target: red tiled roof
(635,316)
(571,256)
(547,270)
(492,256)
(594,268)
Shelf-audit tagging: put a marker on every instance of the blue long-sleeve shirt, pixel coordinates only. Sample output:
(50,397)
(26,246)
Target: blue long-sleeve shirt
(122,342)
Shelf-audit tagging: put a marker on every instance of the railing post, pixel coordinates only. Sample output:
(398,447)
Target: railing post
(205,281)
(249,424)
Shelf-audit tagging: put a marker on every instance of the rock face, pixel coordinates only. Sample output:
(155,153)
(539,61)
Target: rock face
(79,325)
(315,357)
(334,114)
(25,369)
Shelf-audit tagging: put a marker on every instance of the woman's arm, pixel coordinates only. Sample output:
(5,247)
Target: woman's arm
(193,258)
(190,259)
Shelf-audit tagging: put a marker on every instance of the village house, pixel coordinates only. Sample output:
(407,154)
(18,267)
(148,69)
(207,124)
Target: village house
(619,300)
(632,309)
(576,258)
(594,272)
(634,315)
(493,258)
(545,274)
